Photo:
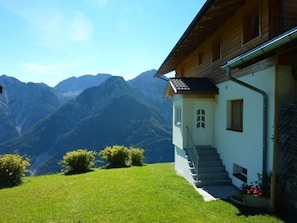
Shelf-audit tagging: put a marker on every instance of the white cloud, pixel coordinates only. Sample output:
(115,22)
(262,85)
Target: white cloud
(41,68)
(50,73)
(51,68)
(81,28)
(57,28)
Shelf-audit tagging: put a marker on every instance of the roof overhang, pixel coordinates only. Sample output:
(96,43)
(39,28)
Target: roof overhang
(200,86)
(262,49)
(211,16)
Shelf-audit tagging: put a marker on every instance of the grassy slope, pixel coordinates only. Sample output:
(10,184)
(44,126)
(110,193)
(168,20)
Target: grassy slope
(152,193)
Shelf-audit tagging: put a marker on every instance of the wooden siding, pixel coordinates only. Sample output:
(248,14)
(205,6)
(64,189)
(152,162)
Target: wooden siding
(231,37)
(289,14)
(275,17)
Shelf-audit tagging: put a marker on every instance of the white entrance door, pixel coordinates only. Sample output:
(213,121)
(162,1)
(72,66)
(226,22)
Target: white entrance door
(202,122)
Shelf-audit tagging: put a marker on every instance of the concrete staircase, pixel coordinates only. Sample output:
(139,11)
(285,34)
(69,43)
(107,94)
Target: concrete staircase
(211,170)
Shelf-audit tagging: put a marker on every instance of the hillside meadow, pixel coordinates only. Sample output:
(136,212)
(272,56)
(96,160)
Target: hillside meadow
(151,193)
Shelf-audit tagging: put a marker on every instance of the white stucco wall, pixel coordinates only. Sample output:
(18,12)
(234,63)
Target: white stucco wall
(241,148)
(177,129)
(180,137)
(245,148)
(181,164)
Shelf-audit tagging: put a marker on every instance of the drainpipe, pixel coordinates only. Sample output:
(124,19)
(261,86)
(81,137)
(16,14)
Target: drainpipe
(266,47)
(269,46)
(265,114)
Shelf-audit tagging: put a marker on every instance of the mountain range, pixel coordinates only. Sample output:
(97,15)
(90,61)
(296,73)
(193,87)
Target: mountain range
(89,112)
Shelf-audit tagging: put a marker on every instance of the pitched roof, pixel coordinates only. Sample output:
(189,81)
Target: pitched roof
(192,86)
(210,17)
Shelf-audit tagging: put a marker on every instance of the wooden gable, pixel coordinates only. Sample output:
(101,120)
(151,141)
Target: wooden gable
(216,35)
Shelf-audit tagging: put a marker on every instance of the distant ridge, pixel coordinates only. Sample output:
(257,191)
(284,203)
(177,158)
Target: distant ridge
(113,112)
(73,86)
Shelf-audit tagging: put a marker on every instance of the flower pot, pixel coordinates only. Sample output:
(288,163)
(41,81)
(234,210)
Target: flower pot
(256,201)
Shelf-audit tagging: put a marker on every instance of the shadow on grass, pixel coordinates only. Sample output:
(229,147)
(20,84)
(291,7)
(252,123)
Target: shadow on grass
(108,166)
(4,185)
(284,215)
(227,191)
(73,172)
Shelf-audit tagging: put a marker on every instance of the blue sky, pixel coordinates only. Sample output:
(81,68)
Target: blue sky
(50,40)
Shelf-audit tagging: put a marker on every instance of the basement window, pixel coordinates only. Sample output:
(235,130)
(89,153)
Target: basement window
(235,115)
(240,172)
(177,115)
(251,25)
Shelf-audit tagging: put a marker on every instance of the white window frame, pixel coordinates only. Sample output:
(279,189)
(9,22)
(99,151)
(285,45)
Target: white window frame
(230,115)
(177,115)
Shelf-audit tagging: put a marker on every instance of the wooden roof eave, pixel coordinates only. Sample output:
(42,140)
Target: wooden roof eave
(169,91)
(208,19)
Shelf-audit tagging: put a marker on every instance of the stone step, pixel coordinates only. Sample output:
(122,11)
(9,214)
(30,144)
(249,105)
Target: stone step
(209,157)
(203,147)
(202,151)
(217,175)
(192,170)
(194,176)
(209,163)
(212,182)
(212,169)
(188,157)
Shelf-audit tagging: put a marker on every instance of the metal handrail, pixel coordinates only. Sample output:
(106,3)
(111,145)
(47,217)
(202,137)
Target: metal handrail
(192,150)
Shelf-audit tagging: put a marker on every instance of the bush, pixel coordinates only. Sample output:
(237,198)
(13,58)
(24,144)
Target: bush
(12,169)
(120,156)
(78,161)
(136,156)
(116,156)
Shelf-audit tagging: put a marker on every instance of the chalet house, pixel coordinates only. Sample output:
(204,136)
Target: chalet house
(234,66)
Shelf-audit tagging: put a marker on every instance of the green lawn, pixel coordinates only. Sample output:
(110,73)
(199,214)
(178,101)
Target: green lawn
(152,193)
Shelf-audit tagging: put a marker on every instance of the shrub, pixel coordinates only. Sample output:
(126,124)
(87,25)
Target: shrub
(136,156)
(78,161)
(12,169)
(116,156)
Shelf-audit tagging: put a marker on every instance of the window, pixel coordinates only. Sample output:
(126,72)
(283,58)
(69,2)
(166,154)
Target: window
(177,116)
(240,172)
(216,50)
(200,114)
(235,115)
(251,26)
